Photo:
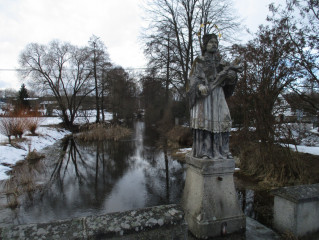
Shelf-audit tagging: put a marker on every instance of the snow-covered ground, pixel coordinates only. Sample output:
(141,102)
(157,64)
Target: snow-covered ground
(306,149)
(304,134)
(47,136)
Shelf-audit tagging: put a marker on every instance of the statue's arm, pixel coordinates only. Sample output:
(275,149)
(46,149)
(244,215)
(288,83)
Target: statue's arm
(198,87)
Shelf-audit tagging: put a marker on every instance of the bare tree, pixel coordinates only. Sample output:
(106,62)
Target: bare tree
(268,73)
(300,19)
(61,69)
(99,61)
(9,92)
(121,94)
(171,38)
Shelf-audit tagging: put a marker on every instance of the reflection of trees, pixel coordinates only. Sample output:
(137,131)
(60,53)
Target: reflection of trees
(81,177)
(256,204)
(164,178)
(93,166)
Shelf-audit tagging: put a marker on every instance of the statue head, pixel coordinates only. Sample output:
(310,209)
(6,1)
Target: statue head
(210,38)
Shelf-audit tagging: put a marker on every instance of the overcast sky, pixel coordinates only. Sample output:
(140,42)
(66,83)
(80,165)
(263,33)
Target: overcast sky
(117,23)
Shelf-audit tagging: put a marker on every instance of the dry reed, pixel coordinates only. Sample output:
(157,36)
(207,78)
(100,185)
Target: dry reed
(100,132)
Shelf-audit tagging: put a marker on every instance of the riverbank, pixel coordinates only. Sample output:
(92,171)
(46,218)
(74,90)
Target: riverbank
(305,151)
(48,133)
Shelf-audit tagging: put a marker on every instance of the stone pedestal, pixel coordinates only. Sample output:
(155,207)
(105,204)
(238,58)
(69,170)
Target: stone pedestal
(209,199)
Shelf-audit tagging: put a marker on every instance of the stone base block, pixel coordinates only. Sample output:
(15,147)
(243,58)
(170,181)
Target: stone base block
(206,229)
(210,200)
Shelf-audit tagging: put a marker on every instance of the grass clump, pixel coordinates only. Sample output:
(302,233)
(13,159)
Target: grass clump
(273,165)
(180,136)
(34,156)
(100,132)
(22,180)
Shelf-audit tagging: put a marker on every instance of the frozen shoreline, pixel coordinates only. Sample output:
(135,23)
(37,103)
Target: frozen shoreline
(46,136)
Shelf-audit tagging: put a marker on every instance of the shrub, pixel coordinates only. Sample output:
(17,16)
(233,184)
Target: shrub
(12,126)
(32,123)
(6,127)
(180,135)
(16,123)
(34,156)
(18,126)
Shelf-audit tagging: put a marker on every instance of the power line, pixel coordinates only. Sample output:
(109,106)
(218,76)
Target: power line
(10,69)
(20,69)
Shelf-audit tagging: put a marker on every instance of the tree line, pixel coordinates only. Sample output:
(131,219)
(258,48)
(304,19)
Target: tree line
(71,74)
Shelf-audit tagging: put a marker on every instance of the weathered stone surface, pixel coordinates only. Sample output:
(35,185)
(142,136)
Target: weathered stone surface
(210,200)
(55,230)
(174,229)
(301,193)
(255,231)
(123,223)
(209,166)
(296,209)
(166,221)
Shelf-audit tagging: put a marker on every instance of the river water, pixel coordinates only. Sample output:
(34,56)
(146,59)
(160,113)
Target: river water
(80,179)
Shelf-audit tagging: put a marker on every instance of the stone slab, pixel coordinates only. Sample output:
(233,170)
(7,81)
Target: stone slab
(55,230)
(211,166)
(254,231)
(296,209)
(301,193)
(176,230)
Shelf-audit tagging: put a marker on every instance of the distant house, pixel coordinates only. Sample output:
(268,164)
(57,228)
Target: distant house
(2,106)
(47,107)
(286,110)
(283,111)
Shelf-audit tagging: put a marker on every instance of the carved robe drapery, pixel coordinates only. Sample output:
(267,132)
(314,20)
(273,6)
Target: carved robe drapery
(209,110)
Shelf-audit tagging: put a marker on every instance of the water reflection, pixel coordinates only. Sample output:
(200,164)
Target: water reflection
(81,179)
(257,205)
(85,179)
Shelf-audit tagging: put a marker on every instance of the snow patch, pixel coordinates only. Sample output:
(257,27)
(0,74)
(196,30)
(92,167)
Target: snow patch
(11,155)
(183,150)
(306,149)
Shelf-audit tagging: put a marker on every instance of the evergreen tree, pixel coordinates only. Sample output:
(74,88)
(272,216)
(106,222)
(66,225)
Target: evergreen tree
(23,96)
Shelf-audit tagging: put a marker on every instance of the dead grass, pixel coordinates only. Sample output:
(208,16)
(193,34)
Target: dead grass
(179,136)
(288,236)
(278,167)
(34,156)
(22,180)
(100,132)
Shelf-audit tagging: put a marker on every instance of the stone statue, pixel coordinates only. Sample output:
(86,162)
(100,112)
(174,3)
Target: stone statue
(211,82)
(209,198)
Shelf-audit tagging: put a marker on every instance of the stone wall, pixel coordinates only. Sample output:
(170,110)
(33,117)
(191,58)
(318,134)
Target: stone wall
(160,222)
